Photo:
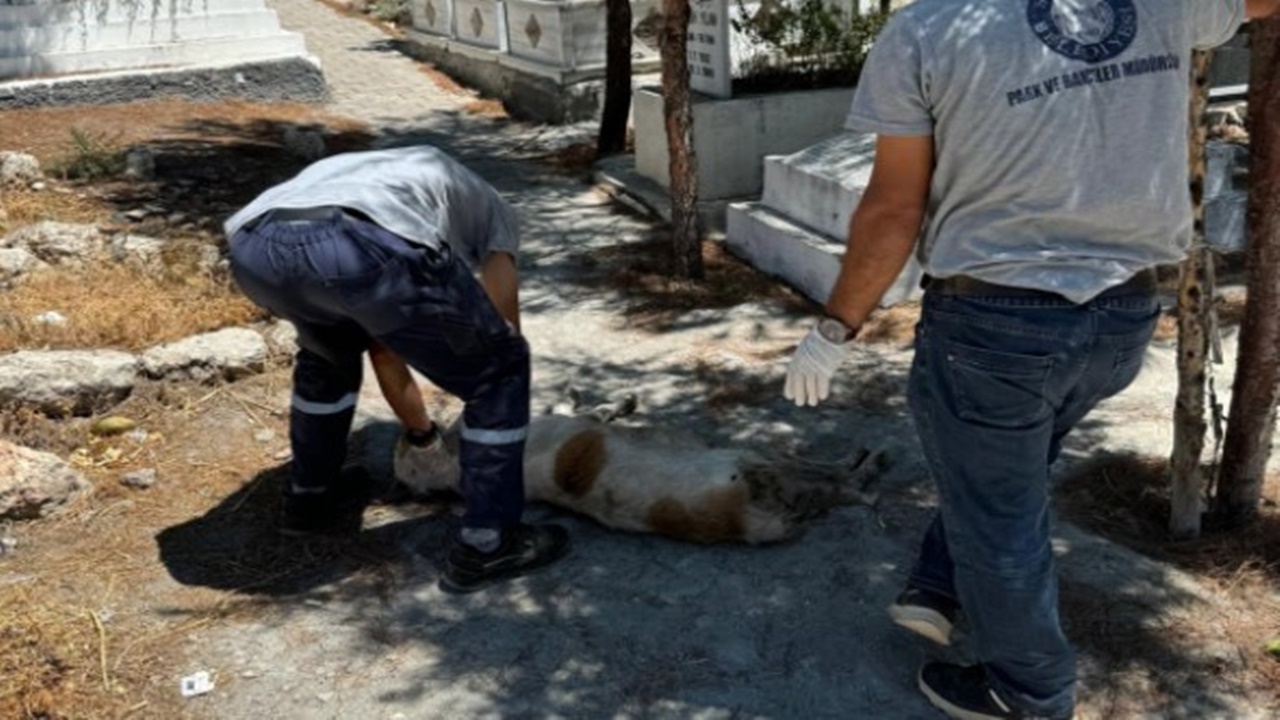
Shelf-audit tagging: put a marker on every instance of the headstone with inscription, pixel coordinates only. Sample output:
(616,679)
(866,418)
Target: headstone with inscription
(710,71)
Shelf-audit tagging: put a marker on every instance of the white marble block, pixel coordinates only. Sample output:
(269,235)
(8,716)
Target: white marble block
(480,23)
(433,16)
(797,231)
(50,38)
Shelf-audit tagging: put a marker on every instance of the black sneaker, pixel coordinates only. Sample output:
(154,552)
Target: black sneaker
(319,514)
(925,613)
(964,693)
(524,549)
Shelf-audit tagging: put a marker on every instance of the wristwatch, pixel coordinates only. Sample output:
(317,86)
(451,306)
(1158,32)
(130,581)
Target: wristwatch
(835,331)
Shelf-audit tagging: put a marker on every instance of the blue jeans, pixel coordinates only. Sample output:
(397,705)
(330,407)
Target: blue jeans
(342,282)
(996,385)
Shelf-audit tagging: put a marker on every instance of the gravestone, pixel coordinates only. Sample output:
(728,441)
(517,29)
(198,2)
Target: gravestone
(732,134)
(544,58)
(61,52)
(480,23)
(797,230)
(710,70)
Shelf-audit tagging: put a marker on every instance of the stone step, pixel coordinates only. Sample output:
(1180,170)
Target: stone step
(48,40)
(819,186)
(804,259)
(201,52)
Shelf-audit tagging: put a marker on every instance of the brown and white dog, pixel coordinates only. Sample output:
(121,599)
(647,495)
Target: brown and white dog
(642,480)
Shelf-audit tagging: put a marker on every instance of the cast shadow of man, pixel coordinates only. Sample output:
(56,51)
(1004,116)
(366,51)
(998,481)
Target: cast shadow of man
(234,545)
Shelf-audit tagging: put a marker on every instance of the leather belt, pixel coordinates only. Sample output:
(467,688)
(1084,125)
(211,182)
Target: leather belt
(311,214)
(1142,283)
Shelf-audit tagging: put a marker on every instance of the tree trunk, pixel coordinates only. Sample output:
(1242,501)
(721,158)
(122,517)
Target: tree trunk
(617,79)
(1257,384)
(677,112)
(1194,295)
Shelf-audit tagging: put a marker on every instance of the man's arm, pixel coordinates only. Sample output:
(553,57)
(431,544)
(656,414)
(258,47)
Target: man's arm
(1257,9)
(884,228)
(502,283)
(398,387)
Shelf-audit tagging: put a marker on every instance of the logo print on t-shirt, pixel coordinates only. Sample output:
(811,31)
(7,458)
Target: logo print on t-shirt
(1091,31)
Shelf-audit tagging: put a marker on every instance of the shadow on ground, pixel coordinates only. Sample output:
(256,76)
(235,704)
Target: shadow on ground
(635,625)
(638,626)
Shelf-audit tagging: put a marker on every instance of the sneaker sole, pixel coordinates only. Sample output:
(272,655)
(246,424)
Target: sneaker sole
(923,622)
(455,589)
(948,708)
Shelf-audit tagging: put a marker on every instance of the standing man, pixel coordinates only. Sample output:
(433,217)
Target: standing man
(1042,147)
(375,251)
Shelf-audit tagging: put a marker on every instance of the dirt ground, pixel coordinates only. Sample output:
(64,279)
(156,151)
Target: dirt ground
(96,627)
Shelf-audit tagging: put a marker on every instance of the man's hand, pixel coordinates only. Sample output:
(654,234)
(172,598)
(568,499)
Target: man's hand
(809,373)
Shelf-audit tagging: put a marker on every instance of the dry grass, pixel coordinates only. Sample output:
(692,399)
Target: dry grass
(891,326)
(642,271)
(23,207)
(208,518)
(210,159)
(46,132)
(120,307)
(1126,499)
(91,619)
(485,107)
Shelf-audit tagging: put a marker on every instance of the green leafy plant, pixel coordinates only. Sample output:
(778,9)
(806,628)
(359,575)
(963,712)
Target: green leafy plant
(92,157)
(396,11)
(802,45)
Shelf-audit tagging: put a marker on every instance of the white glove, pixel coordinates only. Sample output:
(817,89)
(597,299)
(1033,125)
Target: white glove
(425,469)
(810,370)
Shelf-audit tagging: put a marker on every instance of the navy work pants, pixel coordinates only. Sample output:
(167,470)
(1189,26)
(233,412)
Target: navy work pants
(343,281)
(997,383)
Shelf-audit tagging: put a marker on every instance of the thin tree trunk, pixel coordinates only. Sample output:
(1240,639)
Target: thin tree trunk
(1194,296)
(1257,384)
(617,79)
(678,114)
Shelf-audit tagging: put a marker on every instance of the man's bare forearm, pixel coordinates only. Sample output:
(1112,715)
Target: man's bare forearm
(399,388)
(881,240)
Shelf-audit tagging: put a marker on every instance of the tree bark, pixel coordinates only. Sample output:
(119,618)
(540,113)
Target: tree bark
(683,162)
(1194,296)
(1257,384)
(617,79)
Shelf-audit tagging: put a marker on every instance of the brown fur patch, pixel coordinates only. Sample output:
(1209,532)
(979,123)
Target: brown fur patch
(579,462)
(720,517)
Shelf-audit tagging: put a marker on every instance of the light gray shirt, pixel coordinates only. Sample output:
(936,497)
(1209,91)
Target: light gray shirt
(1059,127)
(418,193)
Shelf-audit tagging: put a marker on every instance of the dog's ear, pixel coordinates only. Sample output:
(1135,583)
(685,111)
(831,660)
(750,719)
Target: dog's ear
(609,412)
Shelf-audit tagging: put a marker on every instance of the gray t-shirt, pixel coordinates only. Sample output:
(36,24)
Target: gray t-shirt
(1059,127)
(418,193)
